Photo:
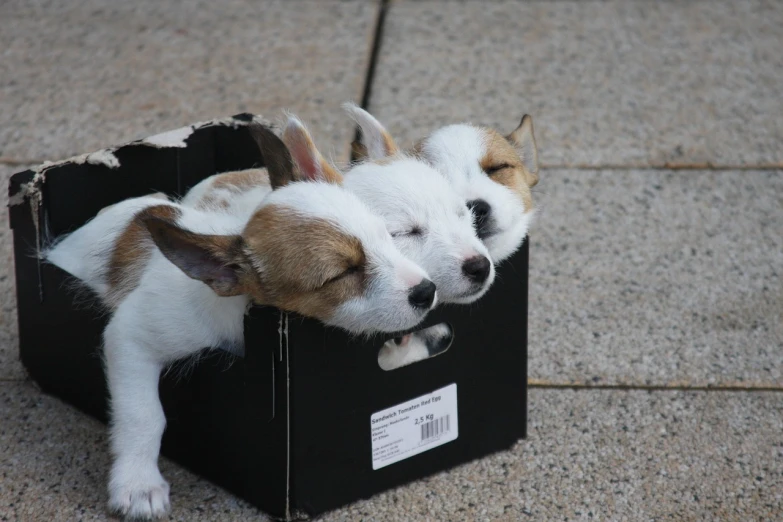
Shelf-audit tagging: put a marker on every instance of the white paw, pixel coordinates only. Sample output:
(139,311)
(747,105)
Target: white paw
(138,492)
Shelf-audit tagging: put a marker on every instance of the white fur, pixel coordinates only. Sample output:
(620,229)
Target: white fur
(407,194)
(456,151)
(414,348)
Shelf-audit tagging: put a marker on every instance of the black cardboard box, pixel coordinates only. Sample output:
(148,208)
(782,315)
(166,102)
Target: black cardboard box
(288,426)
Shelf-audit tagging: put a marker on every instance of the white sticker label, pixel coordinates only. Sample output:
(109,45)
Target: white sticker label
(414,426)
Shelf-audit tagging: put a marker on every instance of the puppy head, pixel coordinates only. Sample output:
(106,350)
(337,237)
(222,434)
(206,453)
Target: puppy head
(311,247)
(428,220)
(494,175)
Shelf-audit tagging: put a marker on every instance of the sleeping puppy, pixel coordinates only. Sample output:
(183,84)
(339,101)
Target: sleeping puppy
(494,175)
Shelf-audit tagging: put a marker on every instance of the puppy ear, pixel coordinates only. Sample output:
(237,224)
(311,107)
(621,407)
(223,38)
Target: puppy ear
(277,159)
(376,139)
(358,150)
(309,164)
(213,259)
(524,141)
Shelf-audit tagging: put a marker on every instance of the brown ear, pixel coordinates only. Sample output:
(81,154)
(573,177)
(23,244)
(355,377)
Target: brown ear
(377,141)
(524,141)
(213,259)
(358,150)
(308,162)
(277,158)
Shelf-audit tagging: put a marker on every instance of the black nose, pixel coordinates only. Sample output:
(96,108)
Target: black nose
(482,211)
(480,208)
(476,268)
(422,295)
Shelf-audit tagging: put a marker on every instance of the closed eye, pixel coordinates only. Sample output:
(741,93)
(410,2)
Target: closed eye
(411,232)
(351,270)
(494,169)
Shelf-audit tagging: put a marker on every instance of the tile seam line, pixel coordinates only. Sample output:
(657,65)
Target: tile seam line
(642,387)
(375,49)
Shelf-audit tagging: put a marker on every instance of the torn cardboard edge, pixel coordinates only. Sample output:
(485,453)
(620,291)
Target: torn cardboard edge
(175,138)
(31,191)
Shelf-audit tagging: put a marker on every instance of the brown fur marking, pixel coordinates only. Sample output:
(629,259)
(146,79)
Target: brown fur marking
(302,262)
(132,250)
(500,152)
(235,182)
(241,180)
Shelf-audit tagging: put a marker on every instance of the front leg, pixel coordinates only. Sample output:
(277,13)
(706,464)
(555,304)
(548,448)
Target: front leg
(136,487)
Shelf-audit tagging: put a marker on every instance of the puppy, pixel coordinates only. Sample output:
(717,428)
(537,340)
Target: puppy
(492,173)
(179,278)
(429,220)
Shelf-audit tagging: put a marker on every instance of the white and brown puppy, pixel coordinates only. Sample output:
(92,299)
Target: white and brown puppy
(428,219)
(179,278)
(494,174)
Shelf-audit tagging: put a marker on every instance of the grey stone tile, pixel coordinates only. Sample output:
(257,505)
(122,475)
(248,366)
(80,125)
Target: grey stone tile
(657,277)
(10,366)
(79,76)
(613,455)
(607,83)
(590,454)
(54,466)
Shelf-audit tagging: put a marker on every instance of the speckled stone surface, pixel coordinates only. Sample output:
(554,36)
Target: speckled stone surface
(54,466)
(79,76)
(590,455)
(10,365)
(607,83)
(655,277)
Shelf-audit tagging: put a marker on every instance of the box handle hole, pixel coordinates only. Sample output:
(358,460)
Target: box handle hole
(415,347)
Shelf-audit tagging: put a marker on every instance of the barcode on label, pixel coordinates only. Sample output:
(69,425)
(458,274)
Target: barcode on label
(433,428)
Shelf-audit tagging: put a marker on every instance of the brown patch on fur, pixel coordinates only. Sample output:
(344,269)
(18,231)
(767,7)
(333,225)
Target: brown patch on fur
(131,252)
(417,151)
(241,180)
(234,182)
(303,263)
(358,151)
(523,139)
(500,153)
(388,144)
(330,174)
(212,201)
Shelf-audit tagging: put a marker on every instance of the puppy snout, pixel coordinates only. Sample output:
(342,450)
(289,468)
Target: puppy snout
(476,269)
(422,295)
(482,211)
